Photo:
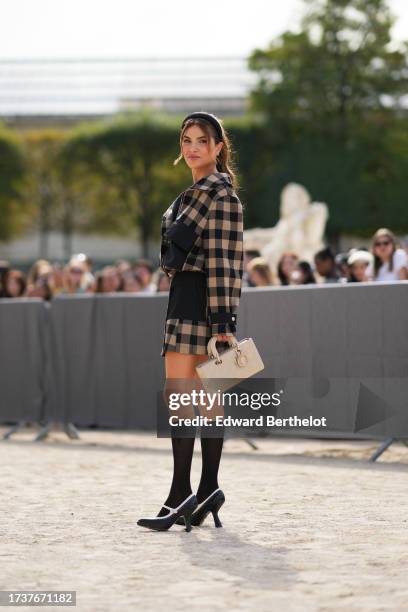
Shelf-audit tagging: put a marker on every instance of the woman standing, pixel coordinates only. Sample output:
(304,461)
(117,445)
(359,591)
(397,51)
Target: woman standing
(202,252)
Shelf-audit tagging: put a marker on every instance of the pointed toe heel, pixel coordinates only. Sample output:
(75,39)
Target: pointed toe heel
(182,512)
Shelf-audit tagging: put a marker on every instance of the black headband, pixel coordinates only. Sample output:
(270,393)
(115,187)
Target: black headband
(208,117)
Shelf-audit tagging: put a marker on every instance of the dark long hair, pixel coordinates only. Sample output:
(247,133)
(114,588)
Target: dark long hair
(224,159)
(20,278)
(281,274)
(306,268)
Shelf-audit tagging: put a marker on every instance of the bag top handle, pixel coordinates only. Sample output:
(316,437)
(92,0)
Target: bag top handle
(212,346)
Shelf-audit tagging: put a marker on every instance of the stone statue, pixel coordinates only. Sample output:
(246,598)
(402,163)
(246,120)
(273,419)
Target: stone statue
(300,228)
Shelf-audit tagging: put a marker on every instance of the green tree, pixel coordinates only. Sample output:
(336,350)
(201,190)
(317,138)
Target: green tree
(338,70)
(132,155)
(12,172)
(43,191)
(331,96)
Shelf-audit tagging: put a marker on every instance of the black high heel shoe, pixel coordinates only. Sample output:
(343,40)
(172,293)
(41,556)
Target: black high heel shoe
(183,512)
(211,504)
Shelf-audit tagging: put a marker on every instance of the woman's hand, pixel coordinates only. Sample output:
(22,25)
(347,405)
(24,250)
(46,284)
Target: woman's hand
(223,338)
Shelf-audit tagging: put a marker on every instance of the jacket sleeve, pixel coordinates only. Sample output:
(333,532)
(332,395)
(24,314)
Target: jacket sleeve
(223,247)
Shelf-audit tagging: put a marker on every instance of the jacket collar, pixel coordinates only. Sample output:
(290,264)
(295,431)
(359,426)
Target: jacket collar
(211,181)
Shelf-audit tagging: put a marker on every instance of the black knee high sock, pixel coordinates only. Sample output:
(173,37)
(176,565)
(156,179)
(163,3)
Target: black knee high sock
(183,448)
(211,450)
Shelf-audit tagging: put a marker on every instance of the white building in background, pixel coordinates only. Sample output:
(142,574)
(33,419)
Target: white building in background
(80,88)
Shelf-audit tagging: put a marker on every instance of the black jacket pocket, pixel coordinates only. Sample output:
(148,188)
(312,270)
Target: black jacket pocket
(179,239)
(173,257)
(182,235)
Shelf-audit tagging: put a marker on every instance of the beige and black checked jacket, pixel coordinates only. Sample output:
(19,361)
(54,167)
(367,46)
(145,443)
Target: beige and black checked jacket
(207,236)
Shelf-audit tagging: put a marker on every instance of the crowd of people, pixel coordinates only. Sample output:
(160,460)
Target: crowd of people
(47,279)
(386,260)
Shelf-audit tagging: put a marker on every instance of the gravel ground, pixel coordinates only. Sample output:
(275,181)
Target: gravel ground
(308,525)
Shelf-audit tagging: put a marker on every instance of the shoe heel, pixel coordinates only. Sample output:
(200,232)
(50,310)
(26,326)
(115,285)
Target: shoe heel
(188,511)
(217,521)
(187,521)
(219,502)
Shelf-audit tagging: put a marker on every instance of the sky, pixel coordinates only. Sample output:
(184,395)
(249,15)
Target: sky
(150,28)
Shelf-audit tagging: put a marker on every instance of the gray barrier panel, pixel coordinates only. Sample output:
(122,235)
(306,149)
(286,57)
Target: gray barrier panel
(357,329)
(105,368)
(344,346)
(23,359)
(107,361)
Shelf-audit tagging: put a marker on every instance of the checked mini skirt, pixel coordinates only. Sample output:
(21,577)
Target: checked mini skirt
(186,329)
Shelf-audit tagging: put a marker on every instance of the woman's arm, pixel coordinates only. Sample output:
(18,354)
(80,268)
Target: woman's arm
(223,246)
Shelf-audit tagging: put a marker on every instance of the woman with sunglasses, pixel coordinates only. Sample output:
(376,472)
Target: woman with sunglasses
(390,262)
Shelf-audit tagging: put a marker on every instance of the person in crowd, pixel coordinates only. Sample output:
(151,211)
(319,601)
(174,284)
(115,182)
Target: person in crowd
(58,278)
(15,284)
(259,272)
(111,280)
(132,283)
(303,274)
(41,289)
(286,265)
(98,285)
(342,266)
(40,268)
(122,265)
(40,280)
(358,262)
(144,269)
(74,273)
(4,268)
(162,282)
(248,256)
(326,266)
(88,278)
(390,262)
(404,244)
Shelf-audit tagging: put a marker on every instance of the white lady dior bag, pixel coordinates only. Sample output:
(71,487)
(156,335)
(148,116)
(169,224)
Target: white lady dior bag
(223,371)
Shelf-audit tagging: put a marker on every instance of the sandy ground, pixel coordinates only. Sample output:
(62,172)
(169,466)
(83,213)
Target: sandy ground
(308,525)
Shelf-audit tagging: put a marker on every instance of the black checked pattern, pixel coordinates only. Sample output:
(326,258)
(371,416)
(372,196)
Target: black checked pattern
(209,229)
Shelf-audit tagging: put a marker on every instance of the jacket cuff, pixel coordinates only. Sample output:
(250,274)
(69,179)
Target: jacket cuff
(223,317)
(225,330)
(223,322)
(182,235)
